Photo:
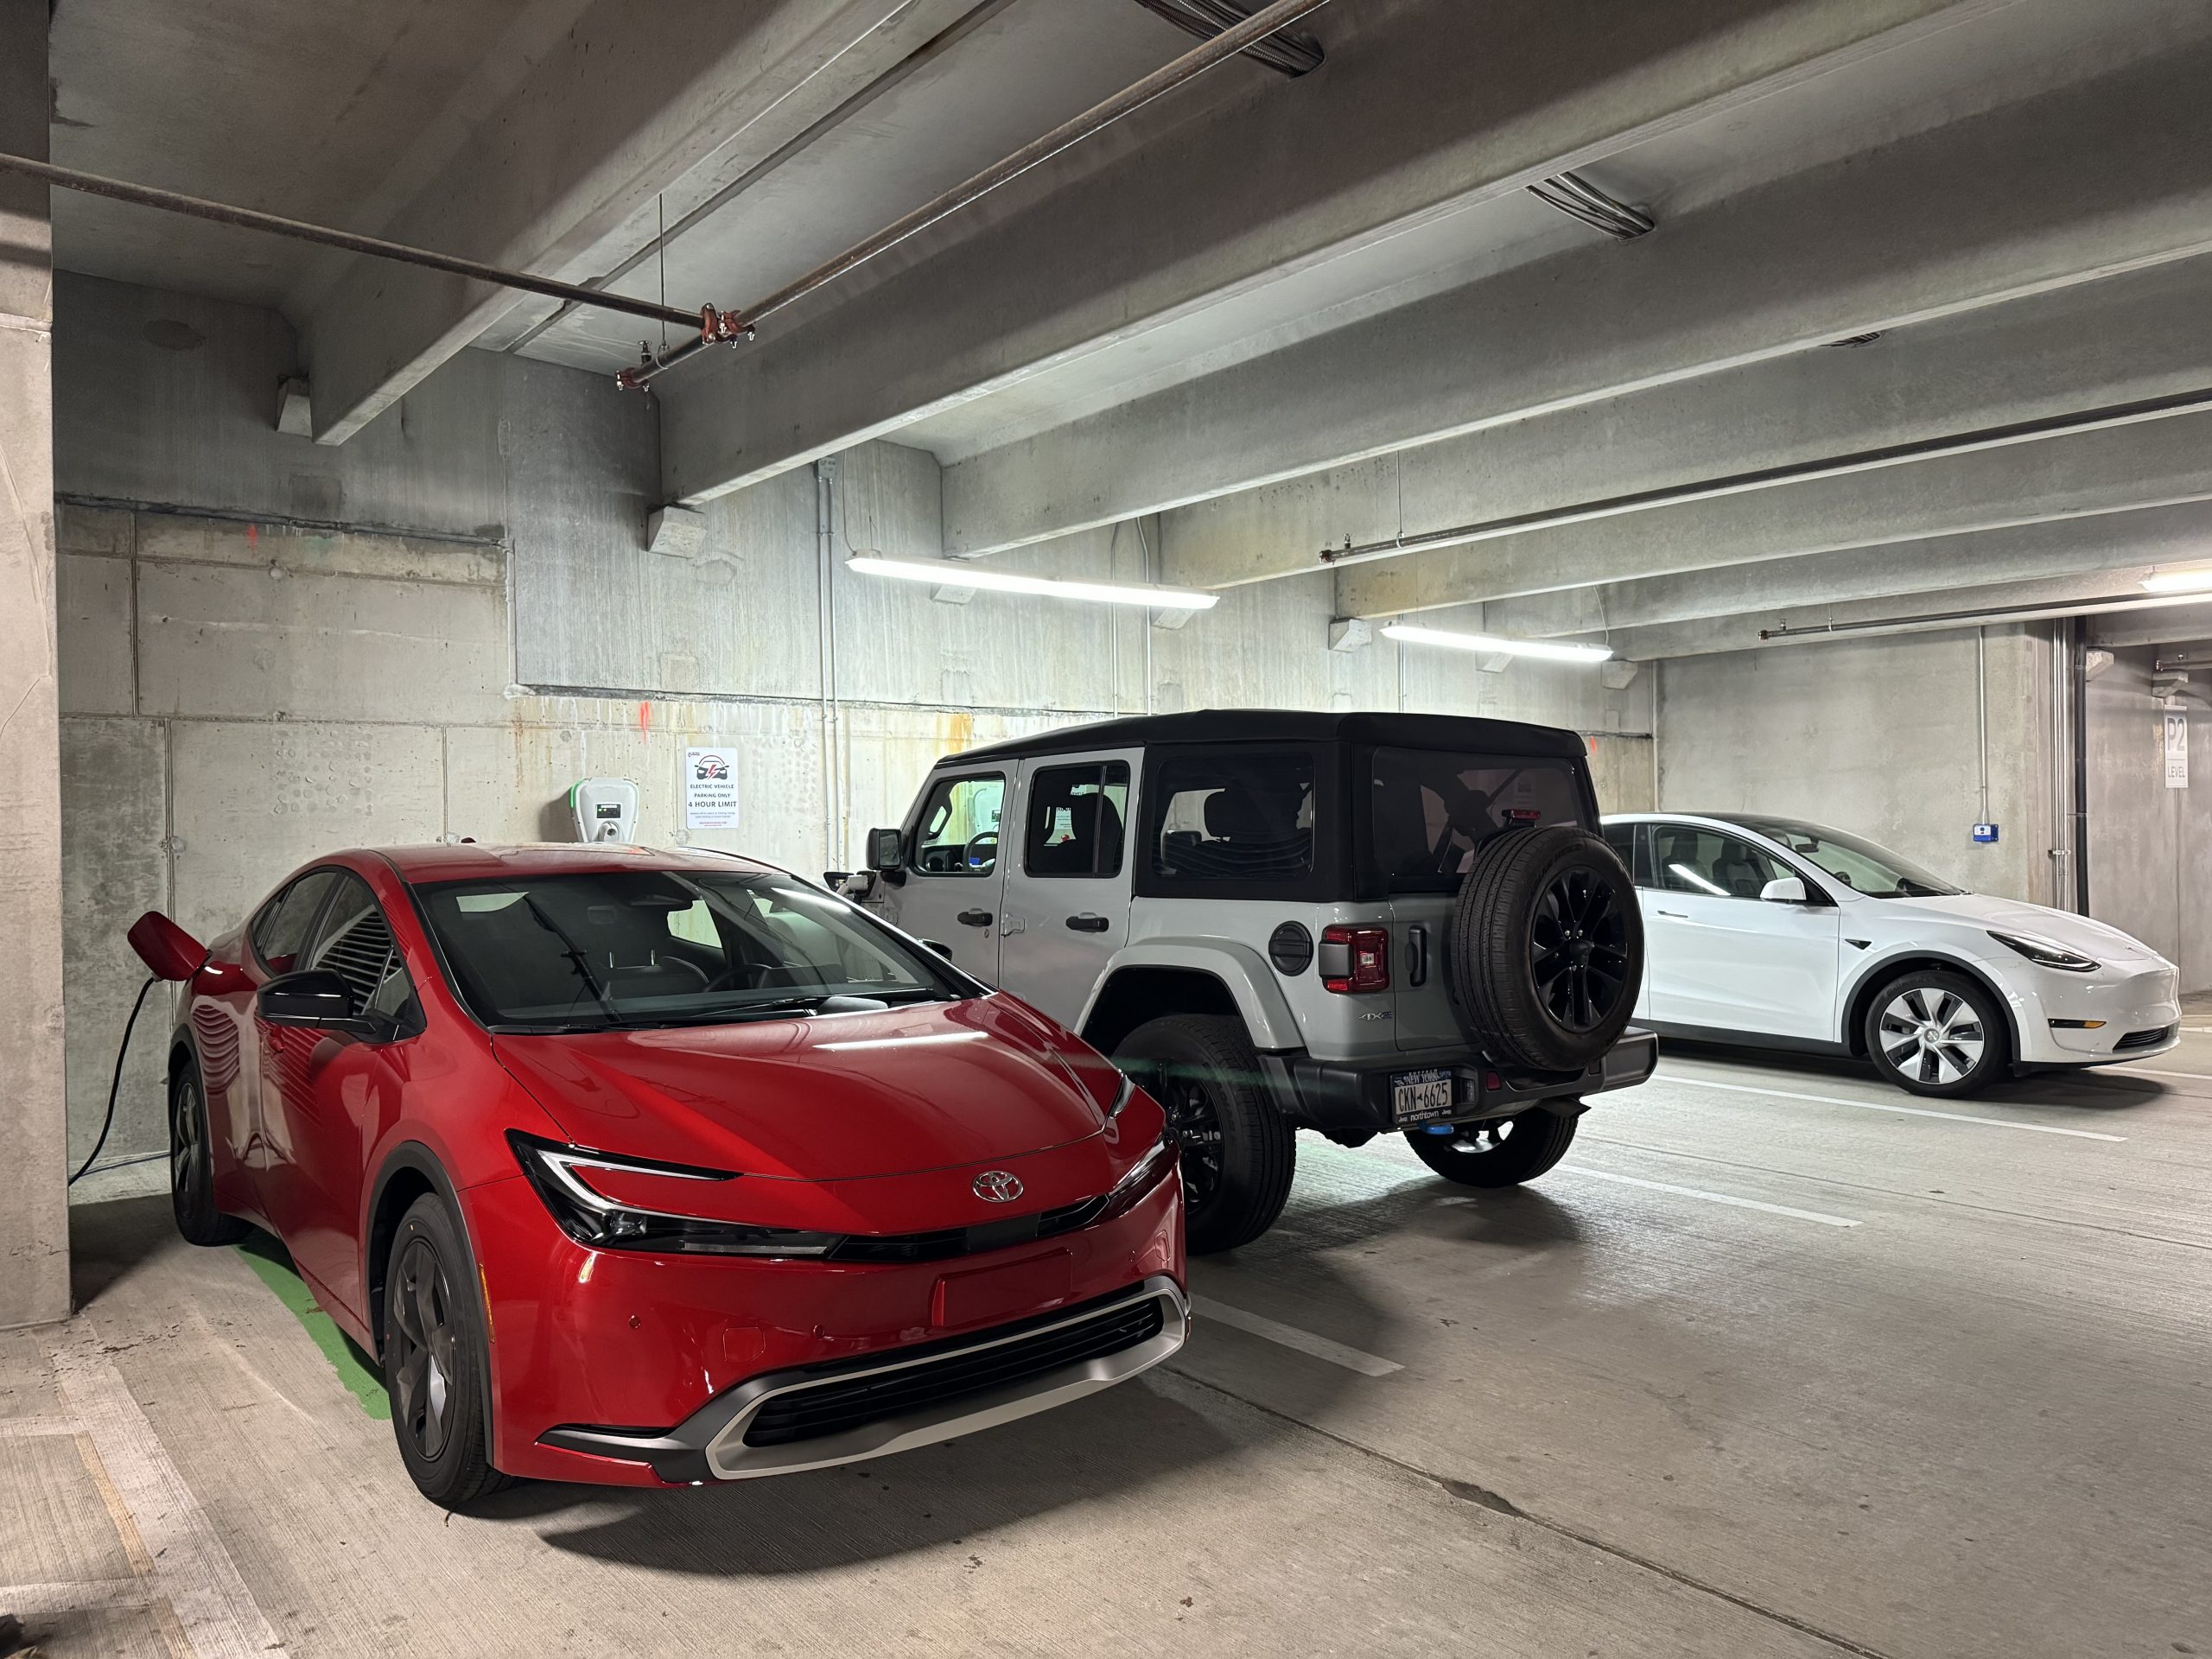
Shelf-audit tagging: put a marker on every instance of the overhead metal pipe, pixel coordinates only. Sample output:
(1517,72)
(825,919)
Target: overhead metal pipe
(719,327)
(2030,611)
(250,219)
(1707,489)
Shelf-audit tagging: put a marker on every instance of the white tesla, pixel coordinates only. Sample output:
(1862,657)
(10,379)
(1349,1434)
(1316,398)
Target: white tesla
(1777,933)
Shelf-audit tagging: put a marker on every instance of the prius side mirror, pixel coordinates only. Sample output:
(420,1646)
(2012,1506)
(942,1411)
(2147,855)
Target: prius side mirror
(315,998)
(1786,890)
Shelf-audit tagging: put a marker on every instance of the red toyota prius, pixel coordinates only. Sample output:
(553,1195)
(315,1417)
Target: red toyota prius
(657,1168)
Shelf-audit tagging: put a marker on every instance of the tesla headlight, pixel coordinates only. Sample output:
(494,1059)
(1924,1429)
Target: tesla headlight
(561,1175)
(2045,953)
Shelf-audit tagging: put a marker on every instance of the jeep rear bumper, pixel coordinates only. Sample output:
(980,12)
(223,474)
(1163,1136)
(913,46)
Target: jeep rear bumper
(1357,1095)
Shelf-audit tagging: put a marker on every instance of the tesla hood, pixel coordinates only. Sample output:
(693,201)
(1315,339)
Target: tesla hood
(2082,933)
(835,1097)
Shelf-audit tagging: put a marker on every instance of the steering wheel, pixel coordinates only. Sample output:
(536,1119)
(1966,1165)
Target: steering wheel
(988,841)
(756,975)
(658,965)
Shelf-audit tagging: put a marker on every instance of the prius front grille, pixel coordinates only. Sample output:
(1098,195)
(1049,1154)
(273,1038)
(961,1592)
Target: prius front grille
(840,1403)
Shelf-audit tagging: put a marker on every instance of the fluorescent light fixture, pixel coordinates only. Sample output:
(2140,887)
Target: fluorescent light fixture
(2186,581)
(975,573)
(1492,644)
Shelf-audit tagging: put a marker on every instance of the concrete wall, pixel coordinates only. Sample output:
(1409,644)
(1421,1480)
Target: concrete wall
(34,1226)
(2150,846)
(270,648)
(1880,736)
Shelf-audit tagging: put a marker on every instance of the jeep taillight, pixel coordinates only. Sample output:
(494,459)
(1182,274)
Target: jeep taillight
(1355,959)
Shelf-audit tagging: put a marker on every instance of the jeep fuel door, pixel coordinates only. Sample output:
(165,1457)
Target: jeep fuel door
(1067,884)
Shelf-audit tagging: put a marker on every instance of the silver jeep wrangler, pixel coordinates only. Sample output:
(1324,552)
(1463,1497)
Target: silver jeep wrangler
(1349,923)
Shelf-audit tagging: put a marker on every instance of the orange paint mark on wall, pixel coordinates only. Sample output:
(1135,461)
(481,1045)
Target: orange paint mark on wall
(253,534)
(645,717)
(959,733)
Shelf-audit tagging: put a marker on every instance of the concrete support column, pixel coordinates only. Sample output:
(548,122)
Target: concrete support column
(35,1218)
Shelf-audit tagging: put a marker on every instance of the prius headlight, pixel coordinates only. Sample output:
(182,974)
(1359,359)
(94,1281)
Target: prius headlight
(562,1175)
(1145,1174)
(2046,953)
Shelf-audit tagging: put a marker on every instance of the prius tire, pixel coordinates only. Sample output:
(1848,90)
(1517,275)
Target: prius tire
(436,1361)
(1239,1151)
(192,1168)
(1951,1004)
(1502,1154)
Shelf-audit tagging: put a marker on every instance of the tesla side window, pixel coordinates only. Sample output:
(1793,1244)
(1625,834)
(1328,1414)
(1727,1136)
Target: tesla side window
(355,942)
(1076,815)
(667,947)
(959,831)
(1629,842)
(1874,871)
(281,928)
(1718,866)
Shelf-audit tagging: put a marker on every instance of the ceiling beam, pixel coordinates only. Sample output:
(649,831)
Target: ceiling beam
(1949,565)
(2067,188)
(2093,346)
(2156,463)
(1087,255)
(560,175)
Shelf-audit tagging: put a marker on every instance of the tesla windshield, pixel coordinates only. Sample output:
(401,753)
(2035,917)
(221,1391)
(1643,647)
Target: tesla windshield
(668,947)
(1859,865)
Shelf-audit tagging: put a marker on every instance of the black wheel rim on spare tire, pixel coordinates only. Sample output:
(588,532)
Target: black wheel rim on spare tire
(1577,948)
(425,1391)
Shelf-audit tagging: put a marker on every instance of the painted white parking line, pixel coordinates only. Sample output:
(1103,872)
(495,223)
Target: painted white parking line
(1883,1106)
(1711,1198)
(2145,1071)
(1289,1336)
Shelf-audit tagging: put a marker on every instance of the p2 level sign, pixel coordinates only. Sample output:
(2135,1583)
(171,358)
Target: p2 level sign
(2176,750)
(709,789)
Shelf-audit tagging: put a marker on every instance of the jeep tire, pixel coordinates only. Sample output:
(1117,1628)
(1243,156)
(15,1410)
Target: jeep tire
(1238,1150)
(1546,952)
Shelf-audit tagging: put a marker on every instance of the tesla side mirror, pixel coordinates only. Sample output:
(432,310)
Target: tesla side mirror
(1785,890)
(886,850)
(315,998)
(166,949)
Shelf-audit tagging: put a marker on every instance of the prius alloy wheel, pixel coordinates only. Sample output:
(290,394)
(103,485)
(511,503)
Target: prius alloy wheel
(192,1168)
(1936,1033)
(434,1362)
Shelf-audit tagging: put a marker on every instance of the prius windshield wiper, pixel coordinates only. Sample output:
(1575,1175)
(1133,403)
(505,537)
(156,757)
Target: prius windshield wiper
(577,959)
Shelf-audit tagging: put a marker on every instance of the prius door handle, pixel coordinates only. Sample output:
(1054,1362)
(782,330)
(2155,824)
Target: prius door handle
(974,918)
(1087,923)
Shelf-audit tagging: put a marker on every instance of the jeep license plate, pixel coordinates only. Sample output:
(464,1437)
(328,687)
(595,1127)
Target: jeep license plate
(1421,1097)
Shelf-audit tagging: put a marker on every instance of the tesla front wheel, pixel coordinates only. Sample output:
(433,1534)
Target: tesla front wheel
(1503,1153)
(191,1169)
(435,1363)
(1239,1151)
(1937,1033)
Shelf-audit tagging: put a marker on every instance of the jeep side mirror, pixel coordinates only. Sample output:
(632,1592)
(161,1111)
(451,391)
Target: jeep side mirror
(886,850)
(1785,890)
(166,949)
(315,998)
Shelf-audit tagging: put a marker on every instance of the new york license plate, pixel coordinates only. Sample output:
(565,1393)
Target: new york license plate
(1421,1097)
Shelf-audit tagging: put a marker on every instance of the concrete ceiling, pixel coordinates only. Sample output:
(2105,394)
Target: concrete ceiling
(1285,315)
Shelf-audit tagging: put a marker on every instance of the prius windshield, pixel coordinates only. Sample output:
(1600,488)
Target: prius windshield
(1859,865)
(628,948)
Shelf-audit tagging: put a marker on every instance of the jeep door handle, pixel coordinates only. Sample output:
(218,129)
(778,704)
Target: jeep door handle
(1087,923)
(974,918)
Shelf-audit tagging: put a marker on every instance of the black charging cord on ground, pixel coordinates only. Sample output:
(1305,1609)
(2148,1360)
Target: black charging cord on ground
(115,1085)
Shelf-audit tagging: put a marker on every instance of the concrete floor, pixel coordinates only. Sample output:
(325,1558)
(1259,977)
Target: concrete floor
(1772,1366)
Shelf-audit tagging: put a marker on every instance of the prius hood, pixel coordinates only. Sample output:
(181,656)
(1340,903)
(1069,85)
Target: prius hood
(2091,937)
(834,1097)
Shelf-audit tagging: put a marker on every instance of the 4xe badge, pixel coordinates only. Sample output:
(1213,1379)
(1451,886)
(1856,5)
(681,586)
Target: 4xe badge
(998,1186)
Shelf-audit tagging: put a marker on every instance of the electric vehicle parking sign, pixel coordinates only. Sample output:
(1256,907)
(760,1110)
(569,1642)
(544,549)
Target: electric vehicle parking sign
(709,789)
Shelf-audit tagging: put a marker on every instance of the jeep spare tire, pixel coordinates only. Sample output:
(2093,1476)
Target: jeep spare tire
(1546,952)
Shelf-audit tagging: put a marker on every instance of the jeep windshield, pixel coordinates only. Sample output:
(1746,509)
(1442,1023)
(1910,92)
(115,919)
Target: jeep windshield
(1430,809)
(641,948)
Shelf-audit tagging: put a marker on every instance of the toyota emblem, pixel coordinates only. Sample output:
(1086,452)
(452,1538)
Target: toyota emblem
(997,1186)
